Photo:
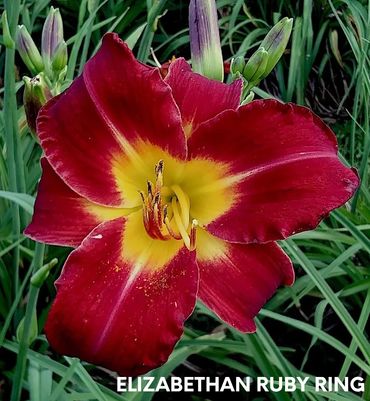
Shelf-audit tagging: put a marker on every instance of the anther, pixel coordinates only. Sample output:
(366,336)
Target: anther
(157,198)
(142,195)
(150,188)
(159,222)
(165,211)
(193,234)
(159,175)
(159,167)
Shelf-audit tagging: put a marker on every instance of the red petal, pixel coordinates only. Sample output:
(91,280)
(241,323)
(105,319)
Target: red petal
(283,168)
(61,216)
(200,98)
(238,279)
(116,313)
(116,103)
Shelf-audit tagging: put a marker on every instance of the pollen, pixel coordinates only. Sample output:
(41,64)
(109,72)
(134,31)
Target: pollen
(166,211)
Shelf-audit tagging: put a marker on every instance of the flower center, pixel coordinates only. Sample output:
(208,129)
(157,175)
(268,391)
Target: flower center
(166,211)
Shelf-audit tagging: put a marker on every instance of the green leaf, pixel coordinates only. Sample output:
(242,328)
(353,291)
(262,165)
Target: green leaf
(23,200)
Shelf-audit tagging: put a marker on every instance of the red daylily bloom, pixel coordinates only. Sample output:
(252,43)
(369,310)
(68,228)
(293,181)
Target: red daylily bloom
(170,190)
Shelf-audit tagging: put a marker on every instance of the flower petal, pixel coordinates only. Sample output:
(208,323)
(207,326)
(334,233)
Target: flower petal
(283,169)
(121,313)
(236,280)
(198,97)
(61,216)
(116,103)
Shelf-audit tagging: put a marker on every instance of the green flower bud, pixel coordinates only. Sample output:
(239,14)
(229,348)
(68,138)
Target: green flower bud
(237,65)
(248,99)
(256,66)
(276,42)
(206,54)
(36,94)
(34,330)
(7,37)
(42,274)
(60,57)
(52,34)
(28,50)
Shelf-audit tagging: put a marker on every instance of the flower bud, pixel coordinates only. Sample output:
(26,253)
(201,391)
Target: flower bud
(60,57)
(42,274)
(36,94)
(52,34)
(33,330)
(256,66)
(28,50)
(248,99)
(205,46)
(7,37)
(276,42)
(237,65)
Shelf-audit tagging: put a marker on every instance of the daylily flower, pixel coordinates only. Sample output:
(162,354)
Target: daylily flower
(170,191)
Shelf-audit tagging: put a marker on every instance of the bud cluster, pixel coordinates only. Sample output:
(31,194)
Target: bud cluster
(265,58)
(48,68)
(206,54)
(53,58)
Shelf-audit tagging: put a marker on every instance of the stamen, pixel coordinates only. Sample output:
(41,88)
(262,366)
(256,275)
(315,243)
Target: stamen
(142,195)
(157,221)
(159,175)
(157,208)
(157,198)
(159,167)
(179,223)
(184,204)
(150,189)
(193,234)
(167,223)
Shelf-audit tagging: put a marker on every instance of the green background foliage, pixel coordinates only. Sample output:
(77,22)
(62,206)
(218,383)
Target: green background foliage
(319,327)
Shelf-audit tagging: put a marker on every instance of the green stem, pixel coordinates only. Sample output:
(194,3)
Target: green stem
(362,322)
(14,307)
(367,389)
(154,11)
(365,156)
(24,342)
(10,107)
(331,297)
(85,49)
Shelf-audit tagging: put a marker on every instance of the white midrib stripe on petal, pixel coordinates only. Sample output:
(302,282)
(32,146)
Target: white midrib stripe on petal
(137,269)
(236,178)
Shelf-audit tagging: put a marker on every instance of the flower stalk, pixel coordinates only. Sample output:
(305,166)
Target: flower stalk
(10,128)
(24,340)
